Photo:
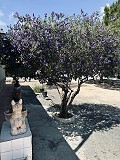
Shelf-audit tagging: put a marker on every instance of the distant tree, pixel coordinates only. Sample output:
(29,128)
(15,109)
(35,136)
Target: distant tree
(64,48)
(112,20)
(11,58)
(2,46)
(107,15)
(112,15)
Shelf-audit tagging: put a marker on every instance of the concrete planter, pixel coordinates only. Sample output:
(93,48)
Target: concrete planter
(63,120)
(44,94)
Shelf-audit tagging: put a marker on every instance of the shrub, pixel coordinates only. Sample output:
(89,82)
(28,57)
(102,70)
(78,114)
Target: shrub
(38,89)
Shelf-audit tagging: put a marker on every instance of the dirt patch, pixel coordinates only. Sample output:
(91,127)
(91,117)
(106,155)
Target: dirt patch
(89,93)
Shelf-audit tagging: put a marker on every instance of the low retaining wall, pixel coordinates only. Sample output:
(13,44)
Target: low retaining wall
(17,147)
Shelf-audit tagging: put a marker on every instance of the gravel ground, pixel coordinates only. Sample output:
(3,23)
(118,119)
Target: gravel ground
(89,93)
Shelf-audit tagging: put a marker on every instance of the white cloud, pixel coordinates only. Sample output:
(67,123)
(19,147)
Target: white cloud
(102,10)
(11,16)
(2,23)
(107,5)
(1,13)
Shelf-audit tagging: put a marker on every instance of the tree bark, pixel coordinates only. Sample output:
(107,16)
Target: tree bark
(64,108)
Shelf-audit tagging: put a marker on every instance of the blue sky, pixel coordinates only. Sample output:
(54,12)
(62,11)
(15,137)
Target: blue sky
(40,7)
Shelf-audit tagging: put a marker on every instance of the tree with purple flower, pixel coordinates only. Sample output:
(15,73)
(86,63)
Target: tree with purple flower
(65,48)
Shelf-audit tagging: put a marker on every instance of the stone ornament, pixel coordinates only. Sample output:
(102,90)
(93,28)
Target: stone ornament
(17,118)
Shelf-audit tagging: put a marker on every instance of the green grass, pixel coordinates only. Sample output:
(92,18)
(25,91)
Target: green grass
(38,89)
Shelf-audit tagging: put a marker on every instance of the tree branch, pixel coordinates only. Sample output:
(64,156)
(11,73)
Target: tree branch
(76,92)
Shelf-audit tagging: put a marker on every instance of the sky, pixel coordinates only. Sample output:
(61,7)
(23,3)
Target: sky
(39,7)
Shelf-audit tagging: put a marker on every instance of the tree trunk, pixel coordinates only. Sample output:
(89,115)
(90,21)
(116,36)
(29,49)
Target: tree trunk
(63,111)
(101,79)
(64,108)
(68,97)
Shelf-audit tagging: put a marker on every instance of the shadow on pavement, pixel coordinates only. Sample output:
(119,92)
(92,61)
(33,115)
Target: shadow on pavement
(48,142)
(89,118)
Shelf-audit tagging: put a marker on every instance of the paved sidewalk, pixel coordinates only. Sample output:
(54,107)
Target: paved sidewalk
(48,142)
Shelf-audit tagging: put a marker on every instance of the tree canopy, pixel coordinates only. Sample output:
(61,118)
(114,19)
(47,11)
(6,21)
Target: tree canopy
(64,48)
(77,45)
